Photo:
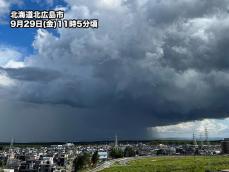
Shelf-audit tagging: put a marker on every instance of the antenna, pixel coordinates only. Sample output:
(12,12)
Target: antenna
(116,140)
(11,153)
(11,143)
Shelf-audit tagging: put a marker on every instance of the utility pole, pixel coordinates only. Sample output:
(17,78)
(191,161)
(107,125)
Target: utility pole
(201,141)
(194,140)
(206,136)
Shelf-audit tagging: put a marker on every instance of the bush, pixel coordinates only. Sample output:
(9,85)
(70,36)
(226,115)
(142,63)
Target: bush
(95,158)
(82,161)
(116,153)
(129,152)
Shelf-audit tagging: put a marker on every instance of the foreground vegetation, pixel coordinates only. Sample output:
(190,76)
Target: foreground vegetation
(174,164)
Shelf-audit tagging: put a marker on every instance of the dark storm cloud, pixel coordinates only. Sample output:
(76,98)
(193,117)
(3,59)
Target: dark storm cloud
(167,12)
(150,63)
(206,54)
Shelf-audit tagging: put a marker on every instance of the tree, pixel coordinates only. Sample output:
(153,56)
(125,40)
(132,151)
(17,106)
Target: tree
(95,158)
(129,152)
(116,153)
(82,161)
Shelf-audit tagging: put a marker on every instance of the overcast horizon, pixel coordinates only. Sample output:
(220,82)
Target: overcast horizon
(153,69)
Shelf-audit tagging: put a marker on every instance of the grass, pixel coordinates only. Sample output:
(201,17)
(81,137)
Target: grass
(174,164)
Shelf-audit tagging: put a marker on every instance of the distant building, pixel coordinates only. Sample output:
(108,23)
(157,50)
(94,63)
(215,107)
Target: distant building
(45,168)
(8,170)
(103,155)
(13,164)
(69,144)
(225,146)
